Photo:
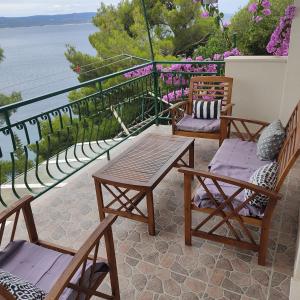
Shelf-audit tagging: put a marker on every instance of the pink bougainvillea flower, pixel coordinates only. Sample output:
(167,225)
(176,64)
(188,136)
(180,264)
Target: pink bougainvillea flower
(280,38)
(227,54)
(226,24)
(176,95)
(266,11)
(253,7)
(257,19)
(205,14)
(266,4)
(199,58)
(217,57)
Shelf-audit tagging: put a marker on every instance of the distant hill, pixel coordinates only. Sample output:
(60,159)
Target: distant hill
(41,20)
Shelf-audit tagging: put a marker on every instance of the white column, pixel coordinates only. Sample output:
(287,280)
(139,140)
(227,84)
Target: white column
(291,90)
(257,85)
(290,97)
(295,281)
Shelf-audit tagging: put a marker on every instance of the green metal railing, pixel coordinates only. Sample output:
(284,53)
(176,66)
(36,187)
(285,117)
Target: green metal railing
(39,151)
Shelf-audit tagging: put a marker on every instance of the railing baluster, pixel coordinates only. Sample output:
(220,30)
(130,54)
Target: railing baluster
(13,175)
(26,169)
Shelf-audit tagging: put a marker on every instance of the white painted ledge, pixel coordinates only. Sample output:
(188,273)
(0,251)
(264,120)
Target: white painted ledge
(258,59)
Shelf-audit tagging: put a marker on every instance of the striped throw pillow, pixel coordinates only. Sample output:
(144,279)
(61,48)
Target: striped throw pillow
(207,109)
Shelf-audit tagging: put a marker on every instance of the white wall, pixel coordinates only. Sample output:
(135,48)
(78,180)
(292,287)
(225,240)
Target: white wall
(291,96)
(291,91)
(258,85)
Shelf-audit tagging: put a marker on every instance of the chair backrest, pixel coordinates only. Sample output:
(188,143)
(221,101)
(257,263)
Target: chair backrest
(290,150)
(210,88)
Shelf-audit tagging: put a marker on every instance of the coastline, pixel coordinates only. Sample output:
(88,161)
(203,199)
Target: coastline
(45,25)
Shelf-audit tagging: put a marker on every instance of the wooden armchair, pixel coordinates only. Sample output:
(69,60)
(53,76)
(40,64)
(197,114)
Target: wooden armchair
(72,274)
(231,212)
(202,88)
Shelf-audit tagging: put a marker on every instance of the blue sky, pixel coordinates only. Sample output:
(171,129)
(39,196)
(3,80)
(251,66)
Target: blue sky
(15,8)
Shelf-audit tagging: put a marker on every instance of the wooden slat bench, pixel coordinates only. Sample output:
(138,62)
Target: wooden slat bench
(232,215)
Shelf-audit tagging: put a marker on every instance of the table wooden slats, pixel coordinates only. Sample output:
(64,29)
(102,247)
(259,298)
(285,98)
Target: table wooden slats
(134,174)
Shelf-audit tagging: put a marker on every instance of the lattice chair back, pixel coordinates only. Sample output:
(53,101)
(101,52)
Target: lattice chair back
(290,150)
(210,88)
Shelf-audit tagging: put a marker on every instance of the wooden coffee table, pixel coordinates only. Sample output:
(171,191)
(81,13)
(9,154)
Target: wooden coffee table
(134,174)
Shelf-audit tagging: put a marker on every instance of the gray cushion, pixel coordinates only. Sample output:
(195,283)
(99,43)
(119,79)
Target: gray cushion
(265,176)
(19,288)
(188,123)
(270,141)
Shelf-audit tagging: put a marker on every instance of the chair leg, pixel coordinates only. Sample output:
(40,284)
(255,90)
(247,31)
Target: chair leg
(110,249)
(263,246)
(264,235)
(150,209)
(187,209)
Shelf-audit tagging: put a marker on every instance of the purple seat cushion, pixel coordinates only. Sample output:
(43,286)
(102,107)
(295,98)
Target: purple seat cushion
(236,159)
(42,267)
(188,123)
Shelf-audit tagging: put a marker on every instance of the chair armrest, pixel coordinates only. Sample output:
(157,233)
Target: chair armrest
(177,113)
(80,257)
(17,206)
(227,109)
(5,294)
(232,181)
(231,118)
(179,104)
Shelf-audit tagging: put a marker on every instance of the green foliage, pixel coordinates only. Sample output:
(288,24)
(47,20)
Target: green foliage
(176,28)
(215,44)
(5,100)
(5,170)
(6,167)
(174,23)
(12,98)
(1,54)
(252,38)
(184,27)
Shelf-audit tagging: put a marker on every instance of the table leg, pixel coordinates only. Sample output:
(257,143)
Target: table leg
(150,208)
(191,156)
(99,196)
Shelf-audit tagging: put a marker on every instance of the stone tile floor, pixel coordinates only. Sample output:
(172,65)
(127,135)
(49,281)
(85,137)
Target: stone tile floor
(162,267)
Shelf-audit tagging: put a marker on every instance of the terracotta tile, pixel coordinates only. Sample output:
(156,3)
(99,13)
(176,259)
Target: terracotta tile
(162,267)
(238,273)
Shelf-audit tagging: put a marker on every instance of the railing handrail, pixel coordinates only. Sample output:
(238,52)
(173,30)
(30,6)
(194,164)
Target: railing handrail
(99,79)
(76,101)
(198,62)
